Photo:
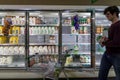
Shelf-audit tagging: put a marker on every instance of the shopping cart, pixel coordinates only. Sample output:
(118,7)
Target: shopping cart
(53,70)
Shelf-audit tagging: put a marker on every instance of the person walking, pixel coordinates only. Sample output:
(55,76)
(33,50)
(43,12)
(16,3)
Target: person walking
(111,56)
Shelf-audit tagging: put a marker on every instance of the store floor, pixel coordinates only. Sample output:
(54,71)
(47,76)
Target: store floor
(72,74)
(112,78)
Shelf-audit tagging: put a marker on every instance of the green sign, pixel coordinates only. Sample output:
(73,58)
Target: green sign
(93,1)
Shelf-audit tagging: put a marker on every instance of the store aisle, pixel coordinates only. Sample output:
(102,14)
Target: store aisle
(62,79)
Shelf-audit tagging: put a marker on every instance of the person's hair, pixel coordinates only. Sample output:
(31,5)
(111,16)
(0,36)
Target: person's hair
(112,10)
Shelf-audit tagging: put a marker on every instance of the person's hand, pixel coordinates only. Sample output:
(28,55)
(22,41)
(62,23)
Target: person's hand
(103,39)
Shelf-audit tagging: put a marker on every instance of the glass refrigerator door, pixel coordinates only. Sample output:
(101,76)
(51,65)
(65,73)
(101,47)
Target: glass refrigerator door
(102,25)
(43,37)
(77,40)
(12,46)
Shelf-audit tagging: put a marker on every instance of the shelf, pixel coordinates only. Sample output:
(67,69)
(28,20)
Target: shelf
(84,24)
(79,25)
(14,25)
(49,54)
(37,44)
(8,44)
(84,34)
(83,53)
(66,25)
(84,43)
(98,34)
(86,53)
(75,34)
(46,54)
(79,53)
(69,34)
(12,55)
(15,64)
(18,25)
(43,34)
(45,25)
(102,24)
(97,64)
(69,43)
(13,35)
(76,43)
(77,64)
(97,43)
(99,53)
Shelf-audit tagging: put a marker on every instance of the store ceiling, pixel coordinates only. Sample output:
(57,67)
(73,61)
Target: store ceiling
(59,2)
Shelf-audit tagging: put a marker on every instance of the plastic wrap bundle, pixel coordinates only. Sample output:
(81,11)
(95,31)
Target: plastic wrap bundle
(7,25)
(75,22)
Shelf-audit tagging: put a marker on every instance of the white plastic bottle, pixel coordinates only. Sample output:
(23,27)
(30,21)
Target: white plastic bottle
(50,30)
(40,30)
(53,30)
(36,58)
(22,30)
(43,30)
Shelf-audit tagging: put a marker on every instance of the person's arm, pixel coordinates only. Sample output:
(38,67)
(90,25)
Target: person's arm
(115,38)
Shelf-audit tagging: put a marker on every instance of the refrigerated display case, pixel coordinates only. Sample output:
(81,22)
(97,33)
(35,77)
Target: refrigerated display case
(102,25)
(43,36)
(12,47)
(78,40)
(37,33)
